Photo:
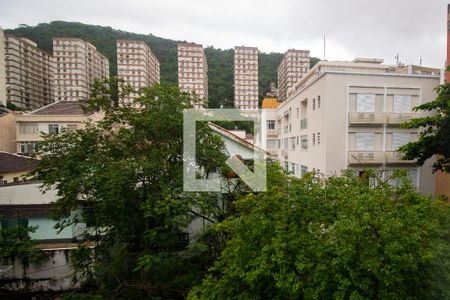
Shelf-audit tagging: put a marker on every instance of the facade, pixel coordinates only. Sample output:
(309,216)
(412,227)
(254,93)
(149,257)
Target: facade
(246,78)
(77,64)
(193,70)
(25,72)
(293,66)
(7,130)
(347,115)
(2,70)
(53,118)
(137,65)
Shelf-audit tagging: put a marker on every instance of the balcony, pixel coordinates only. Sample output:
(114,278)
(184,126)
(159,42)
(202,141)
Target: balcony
(398,118)
(365,157)
(272,132)
(304,123)
(366,118)
(394,157)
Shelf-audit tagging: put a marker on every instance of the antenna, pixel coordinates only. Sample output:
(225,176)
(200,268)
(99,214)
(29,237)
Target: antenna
(324,47)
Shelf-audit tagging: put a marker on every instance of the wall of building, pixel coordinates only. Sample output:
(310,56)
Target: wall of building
(8,133)
(24,194)
(2,69)
(52,274)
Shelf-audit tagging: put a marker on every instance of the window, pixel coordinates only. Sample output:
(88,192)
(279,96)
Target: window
(27,147)
(11,223)
(293,170)
(298,112)
(28,128)
(285,143)
(318,101)
(286,166)
(314,104)
(304,142)
(53,128)
(270,124)
(365,141)
(292,143)
(402,103)
(303,170)
(271,144)
(365,103)
(318,138)
(399,139)
(314,139)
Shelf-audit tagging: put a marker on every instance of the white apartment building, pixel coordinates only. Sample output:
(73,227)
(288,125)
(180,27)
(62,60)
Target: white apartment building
(347,115)
(246,78)
(293,66)
(136,65)
(193,70)
(77,64)
(25,72)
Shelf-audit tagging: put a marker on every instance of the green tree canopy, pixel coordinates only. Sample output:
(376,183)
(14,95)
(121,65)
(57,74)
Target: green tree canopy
(124,177)
(434,134)
(345,238)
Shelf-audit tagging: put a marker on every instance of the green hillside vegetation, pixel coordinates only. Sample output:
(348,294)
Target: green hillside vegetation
(220,62)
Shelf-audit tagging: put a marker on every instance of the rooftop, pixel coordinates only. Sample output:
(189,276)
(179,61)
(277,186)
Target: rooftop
(10,163)
(61,108)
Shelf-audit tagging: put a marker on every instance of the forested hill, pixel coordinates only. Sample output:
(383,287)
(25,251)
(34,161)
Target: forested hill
(220,62)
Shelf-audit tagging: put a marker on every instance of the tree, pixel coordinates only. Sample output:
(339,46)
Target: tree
(123,175)
(343,238)
(434,134)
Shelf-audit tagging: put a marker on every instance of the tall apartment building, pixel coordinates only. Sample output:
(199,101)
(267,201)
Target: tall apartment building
(137,65)
(344,115)
(293,66)
(77,64)
(2,69)
(246,78)
(193,70)
(25,72)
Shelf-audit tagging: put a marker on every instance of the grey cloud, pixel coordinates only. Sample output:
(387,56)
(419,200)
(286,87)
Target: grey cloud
(353,27)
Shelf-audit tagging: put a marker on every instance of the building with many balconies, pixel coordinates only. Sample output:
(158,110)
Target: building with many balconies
(25,72)
(193,70)
(246,78)
(136,65)
(347,115)
(77,65)
(293,66)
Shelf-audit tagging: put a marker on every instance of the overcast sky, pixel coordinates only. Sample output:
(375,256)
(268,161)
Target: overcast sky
(354,28)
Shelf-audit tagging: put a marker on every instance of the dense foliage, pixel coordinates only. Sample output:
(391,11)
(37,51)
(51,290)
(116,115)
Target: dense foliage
(346,238)
(434,134)
(123,177)
(15,243)
(220,62)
